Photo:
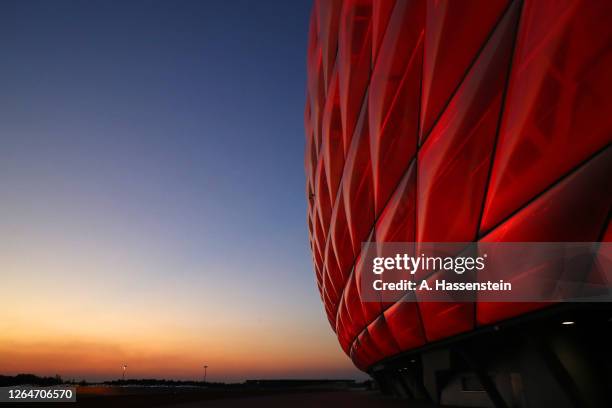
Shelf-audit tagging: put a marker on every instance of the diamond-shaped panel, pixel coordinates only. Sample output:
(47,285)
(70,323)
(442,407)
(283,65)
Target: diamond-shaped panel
(442,120)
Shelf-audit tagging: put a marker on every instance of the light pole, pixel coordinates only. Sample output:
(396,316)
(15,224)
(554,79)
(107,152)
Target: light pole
(124,368)
(205,368)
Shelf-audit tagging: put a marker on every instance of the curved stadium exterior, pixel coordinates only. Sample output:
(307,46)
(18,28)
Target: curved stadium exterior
(458,121)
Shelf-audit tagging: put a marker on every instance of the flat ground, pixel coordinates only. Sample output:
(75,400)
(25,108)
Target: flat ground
(177,397)
(335,399)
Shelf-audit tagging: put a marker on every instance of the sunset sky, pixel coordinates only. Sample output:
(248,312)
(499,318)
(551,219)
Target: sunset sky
(152,205)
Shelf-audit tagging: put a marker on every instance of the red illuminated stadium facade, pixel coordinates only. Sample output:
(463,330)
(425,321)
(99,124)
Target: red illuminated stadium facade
(457,121)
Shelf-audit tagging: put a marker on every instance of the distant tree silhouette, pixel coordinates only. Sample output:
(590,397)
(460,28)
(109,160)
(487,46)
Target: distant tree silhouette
(29,379)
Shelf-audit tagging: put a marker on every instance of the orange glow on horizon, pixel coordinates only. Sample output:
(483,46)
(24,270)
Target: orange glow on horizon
(70,317)
(98,361)
(92,343)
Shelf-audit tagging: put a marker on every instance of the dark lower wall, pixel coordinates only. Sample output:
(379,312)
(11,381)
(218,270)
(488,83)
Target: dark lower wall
(534,361)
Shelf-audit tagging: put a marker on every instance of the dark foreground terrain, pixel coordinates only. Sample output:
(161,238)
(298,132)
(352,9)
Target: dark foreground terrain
(185,397)
(335,399)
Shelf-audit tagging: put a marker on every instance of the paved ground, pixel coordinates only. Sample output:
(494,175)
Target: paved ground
(140,397)
(334,399)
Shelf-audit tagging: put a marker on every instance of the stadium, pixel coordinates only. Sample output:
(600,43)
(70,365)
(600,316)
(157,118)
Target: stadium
(462,121)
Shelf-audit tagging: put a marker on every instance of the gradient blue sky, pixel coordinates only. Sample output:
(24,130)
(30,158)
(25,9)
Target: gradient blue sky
(152,184)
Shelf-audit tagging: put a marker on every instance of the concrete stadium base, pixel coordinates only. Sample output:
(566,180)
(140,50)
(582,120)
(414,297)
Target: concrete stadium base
(558,357)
